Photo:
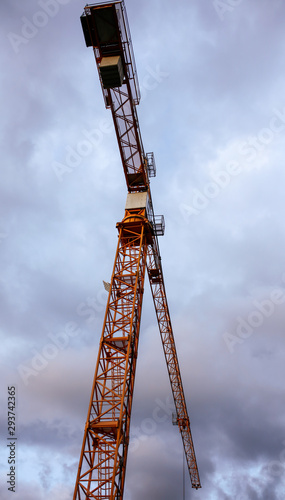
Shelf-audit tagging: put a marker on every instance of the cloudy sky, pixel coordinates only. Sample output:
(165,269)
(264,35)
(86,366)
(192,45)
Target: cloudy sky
(212,77)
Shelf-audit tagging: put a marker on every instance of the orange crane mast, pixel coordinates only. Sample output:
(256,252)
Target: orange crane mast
(102,463)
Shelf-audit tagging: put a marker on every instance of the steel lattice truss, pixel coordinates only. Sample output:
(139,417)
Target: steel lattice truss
(104,453)
(102,465)
(125,121)
(164,323)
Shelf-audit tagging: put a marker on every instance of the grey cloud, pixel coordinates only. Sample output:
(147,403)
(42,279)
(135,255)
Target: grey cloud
(222,81)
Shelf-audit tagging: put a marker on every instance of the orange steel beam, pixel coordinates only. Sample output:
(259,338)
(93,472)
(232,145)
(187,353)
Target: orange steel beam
(102,465)
(164,323)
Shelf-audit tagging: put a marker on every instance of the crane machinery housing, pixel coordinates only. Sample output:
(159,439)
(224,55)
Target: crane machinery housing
(102,463)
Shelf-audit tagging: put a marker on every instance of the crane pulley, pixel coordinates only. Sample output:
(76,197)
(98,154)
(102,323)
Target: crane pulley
(102,464)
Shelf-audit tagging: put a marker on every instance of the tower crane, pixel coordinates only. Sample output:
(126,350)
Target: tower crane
(102,463)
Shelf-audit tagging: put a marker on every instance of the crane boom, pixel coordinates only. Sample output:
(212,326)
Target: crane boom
(102,464)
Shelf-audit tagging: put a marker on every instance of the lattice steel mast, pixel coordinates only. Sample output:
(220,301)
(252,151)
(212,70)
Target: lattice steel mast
(102,464)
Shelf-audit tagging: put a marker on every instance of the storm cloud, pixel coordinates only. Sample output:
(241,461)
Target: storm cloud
(212,77)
